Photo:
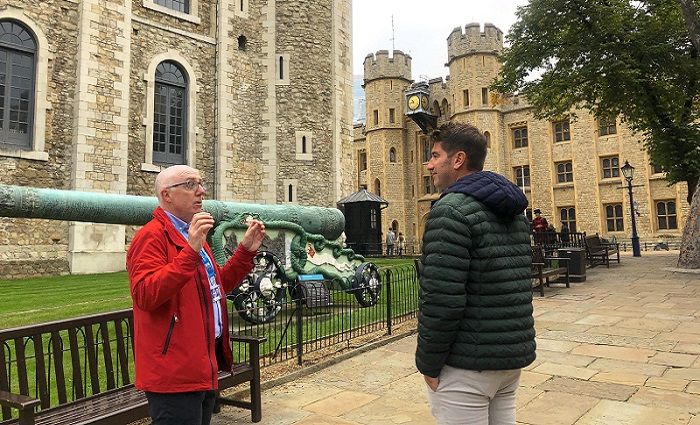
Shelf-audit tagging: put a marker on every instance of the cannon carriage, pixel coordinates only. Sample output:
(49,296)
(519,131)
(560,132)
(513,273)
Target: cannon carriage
(300,240)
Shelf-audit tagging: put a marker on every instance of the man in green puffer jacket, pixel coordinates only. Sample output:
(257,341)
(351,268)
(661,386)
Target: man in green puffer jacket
(475,326)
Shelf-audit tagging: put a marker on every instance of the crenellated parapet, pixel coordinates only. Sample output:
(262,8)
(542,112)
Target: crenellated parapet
(473,40)
(381,65)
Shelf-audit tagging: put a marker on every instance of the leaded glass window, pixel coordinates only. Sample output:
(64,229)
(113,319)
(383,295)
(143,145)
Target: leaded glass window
(17,76)
(176,5)
(170,117)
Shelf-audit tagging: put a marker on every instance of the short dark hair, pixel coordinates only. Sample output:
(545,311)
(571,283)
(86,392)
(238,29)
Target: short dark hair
(456,137)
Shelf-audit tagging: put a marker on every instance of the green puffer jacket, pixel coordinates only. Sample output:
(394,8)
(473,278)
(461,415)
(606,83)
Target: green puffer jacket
(475,296)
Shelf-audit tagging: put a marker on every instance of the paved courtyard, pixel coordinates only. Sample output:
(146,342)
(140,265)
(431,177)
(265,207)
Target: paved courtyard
(621,348)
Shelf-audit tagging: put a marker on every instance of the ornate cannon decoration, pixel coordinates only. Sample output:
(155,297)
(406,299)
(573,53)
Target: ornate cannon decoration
(300,240)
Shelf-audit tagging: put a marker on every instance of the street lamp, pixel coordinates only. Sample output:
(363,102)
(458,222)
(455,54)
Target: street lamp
(628,172)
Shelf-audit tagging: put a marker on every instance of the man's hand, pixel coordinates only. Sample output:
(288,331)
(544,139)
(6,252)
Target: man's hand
(253,236)
(432,382)
(201,224)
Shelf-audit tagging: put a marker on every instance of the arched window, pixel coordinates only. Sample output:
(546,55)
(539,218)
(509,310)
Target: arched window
(445,108)
(392,155)
(377,187)
(242,43)
(290,193)
(170,117)
(281,67)
(487,135)
(303,144)
(17,76)
(436,109)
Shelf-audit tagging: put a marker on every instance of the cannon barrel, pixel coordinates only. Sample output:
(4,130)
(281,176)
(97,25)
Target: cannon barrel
(29,202)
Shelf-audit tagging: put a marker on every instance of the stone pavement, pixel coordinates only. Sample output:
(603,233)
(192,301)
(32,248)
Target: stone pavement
(621,348)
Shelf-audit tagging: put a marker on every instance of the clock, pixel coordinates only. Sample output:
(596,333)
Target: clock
(413,102)
(424,102)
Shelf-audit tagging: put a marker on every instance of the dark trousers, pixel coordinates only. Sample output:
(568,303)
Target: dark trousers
(193,408)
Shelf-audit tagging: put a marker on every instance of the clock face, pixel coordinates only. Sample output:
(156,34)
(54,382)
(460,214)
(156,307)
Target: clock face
(413,102)
(424,102)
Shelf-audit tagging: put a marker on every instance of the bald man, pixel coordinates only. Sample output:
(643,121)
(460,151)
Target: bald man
(181,337)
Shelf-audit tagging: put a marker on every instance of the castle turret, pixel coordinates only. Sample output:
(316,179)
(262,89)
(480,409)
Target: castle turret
(473,40)
(386,78)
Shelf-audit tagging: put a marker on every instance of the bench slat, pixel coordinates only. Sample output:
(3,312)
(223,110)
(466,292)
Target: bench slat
(107,353)
(92,360)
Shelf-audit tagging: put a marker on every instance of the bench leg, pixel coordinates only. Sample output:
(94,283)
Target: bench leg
(255,396)
(568,281)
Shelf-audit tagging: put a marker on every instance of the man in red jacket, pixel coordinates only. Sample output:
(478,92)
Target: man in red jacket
(181,337)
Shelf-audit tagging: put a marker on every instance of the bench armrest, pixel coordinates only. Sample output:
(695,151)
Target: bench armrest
(248,339)
(17,401)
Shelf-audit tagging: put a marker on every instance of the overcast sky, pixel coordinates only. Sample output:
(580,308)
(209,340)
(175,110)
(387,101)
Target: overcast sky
(421,28)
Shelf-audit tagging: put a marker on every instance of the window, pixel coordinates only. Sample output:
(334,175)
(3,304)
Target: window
(561,131)
(376,117)
(290,193)
(613,218)
(289,190)
(17,58)
(281,67)
(657,169)
(487,135)
(666,215)
(428,186)
(362,160)
(169,118)
(391,115)
(520,137)
(522,176)
(445,108)
(242,43)
(528,214)
(607,126)
(373,218)
(567,215)
(465,98)
(304,145)
(611,167)
(176,5)
(392,155)
(484,96)
(425,145)
(565,172)
(377,187)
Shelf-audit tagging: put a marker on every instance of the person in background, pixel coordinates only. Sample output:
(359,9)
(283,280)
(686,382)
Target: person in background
(475,324)
(390,241)
(402,244)
(181,337)
(539,226)
(564,234)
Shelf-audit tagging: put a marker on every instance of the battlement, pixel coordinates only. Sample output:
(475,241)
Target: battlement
(473,40)
(380,65)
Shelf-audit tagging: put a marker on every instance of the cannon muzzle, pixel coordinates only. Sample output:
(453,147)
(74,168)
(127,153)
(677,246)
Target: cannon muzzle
(29,202)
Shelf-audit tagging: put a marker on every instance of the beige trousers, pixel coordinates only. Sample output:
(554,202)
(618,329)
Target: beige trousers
(470,397)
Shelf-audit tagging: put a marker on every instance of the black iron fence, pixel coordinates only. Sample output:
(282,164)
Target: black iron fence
(552,240)
(382,250)
(304,326)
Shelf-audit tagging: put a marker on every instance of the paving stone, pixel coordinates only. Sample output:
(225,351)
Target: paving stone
(318,419)
(675,400)
(569,408)
(564,370)
(559,317)
(563,358)
(532,379)
(668,316)
(612,340)
(616,330)
(663,383)
(341,403)
(405,388)
(674,359)
(620,378)
(693,387)
(389,410)
(524,395)
(611,352)
(683,373)
(618,366)
(593,389)
(648,324)
(553,345)
(689,348)
(609,412)
(598,320)
(695,420)
(305,392)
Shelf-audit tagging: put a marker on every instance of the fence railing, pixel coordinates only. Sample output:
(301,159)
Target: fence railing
(382,250)
(299,329)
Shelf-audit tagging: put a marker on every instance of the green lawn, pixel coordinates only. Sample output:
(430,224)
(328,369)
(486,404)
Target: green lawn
(39,300)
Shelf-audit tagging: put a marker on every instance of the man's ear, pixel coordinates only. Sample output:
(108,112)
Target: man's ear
(165,195)
(460,160)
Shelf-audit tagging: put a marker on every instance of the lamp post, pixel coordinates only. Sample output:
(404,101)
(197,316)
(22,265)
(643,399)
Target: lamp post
(628,172)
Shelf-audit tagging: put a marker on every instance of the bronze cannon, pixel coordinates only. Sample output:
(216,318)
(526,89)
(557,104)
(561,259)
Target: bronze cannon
(300,240)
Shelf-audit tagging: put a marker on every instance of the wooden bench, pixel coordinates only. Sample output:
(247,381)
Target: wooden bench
(599,252)
(542,269)
(81,371)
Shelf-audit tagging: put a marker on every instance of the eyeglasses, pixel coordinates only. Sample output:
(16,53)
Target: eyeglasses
(191,185)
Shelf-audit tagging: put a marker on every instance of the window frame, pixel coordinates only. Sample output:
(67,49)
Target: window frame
(520,141)
(567,215)
(567,174)
(525,179)
(167,158)
(666,216)
(607,127)
(613,170)
(563,134)
(191,16)
(616,219)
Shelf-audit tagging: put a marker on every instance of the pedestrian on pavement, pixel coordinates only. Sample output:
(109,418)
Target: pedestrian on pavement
(181,337)
(475,325)
(539,227)
(402,244)
(390,240)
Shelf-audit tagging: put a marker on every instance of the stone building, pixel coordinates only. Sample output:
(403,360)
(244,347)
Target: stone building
(99,95)
(568,168)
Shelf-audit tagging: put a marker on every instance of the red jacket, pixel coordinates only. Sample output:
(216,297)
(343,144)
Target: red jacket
(174,341)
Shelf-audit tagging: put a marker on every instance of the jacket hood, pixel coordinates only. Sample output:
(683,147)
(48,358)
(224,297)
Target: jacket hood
(497,193)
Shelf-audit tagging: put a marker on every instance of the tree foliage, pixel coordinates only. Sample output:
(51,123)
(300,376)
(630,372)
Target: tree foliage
(635,59)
